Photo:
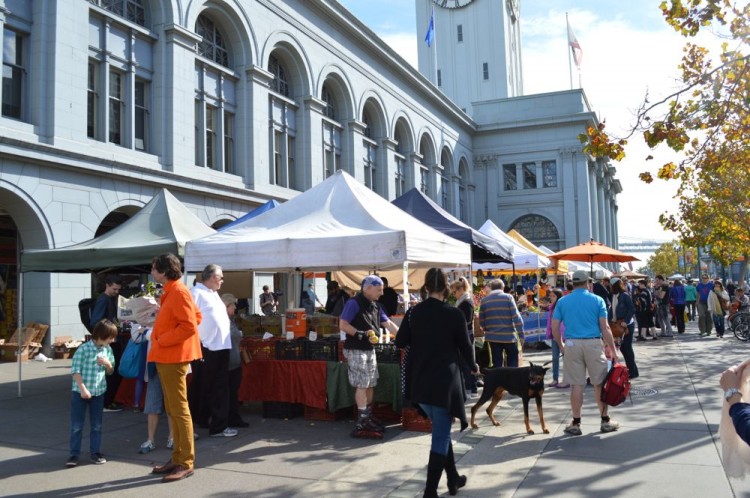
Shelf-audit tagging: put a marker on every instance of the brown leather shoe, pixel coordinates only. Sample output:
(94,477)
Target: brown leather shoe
(164,469)
(179,473)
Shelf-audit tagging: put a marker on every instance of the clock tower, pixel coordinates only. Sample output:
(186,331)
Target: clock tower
(475,50)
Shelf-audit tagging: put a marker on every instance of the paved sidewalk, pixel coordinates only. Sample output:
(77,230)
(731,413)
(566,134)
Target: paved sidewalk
(667,445)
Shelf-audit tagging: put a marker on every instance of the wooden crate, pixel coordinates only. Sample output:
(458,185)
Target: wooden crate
(31,337)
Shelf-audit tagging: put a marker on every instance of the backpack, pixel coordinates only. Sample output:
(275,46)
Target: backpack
(85,307)
(616,387)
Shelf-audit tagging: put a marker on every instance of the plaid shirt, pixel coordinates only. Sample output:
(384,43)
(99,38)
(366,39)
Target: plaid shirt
(93,375)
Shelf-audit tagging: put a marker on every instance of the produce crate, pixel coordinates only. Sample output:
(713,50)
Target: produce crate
(250,325)
(323,324)
(62,347)
(411,420)
(259,349)
(279,409)
(322,350)
(31,337)
(291,350)
(312,413)
(271,324)
(387,353)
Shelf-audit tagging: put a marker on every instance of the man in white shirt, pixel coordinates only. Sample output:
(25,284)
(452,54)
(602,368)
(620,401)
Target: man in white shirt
(216,343)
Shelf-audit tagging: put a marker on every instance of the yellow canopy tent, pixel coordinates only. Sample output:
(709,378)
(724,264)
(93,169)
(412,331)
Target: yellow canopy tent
(562,266)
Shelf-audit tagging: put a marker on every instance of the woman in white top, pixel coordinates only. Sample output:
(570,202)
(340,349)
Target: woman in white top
(716,298)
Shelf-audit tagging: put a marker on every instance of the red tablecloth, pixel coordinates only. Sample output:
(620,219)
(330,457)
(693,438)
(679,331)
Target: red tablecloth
(288,381)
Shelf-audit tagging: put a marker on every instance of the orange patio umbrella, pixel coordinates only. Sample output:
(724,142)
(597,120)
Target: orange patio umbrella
(593,252)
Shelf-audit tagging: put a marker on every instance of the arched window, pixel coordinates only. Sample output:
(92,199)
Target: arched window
(212,45)
(402,150)
(215,101)
(539,230)
(331,133)
(370,151)
(279,84)
(283,123)
(132,10)
(330,111)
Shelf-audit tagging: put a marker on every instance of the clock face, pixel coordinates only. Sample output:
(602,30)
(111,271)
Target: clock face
(452,4)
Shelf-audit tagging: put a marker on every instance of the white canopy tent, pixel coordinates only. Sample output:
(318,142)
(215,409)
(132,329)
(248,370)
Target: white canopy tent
(337,225)
(524,259)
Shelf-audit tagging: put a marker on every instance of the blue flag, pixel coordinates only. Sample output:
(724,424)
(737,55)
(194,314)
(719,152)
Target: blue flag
(430,37)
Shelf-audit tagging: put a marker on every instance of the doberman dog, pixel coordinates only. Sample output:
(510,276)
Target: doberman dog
(525,382)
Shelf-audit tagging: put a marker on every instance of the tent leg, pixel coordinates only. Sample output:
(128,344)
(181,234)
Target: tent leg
(20,325)
(405,280)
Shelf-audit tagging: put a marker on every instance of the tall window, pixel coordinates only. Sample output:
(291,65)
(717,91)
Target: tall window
(212,45)
(510,180)
(460,33)
(400,179)
(327,97)
(215,90)
(439,78)
(370,164)
(141,115)
(132,10)
(462,181)
(529,176)
(116,106)
(283,123)
(279,84)
(485,71)
(444,193)
(424,180)
(92,101)
(331,148)
(119,75)
(13,73)
(228,142)
(549,174)
(211,136)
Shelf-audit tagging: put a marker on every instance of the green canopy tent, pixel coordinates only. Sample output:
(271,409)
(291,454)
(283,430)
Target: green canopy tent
(163,225)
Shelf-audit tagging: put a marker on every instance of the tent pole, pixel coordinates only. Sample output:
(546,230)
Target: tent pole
(405,280)
(19,293)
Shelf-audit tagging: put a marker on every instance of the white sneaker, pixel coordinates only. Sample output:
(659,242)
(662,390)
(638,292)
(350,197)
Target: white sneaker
(147,446)
(170,443)
(228,432)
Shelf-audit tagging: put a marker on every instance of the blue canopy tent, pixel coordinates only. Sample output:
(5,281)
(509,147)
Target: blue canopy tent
(252,214)
(484,249)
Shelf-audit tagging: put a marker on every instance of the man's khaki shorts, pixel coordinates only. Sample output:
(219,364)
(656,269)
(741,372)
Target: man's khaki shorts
(583,355)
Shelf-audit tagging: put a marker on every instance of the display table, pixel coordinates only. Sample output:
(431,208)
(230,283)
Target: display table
(534,326)
(341,393)
(286,381)
(318,384)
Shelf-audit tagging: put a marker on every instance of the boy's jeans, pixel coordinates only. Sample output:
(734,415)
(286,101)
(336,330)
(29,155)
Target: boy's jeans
(78,407)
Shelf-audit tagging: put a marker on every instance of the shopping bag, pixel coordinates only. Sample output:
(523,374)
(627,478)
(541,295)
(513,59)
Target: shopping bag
(133,358)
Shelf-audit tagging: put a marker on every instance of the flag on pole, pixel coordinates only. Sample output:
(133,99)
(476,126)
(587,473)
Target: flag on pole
(574,46)
(430,36)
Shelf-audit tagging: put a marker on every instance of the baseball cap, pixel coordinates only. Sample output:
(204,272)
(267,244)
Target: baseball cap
(580,276)
(372,281)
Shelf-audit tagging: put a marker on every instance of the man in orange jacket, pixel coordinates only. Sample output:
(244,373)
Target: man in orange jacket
(174,344)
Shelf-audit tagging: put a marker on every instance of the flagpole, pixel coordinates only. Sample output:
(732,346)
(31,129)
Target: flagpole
(434,51)
(570,52)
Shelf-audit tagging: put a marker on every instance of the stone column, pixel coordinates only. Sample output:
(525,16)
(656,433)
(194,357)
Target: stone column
(387,167)
(313,126)
(593,200)
(356,150)
(252,136)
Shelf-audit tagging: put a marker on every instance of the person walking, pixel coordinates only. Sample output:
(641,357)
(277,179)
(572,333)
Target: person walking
(502,324)
(235,364)
(584,315)
(644,311)
(438,343)
(690,297)
(678,297)
(175,343)
(465,303)
(555,296)
(92,362)
(623,311)
(661,295)
(718,303)
(705,319)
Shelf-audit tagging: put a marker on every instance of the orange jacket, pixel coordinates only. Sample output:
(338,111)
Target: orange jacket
(175,336)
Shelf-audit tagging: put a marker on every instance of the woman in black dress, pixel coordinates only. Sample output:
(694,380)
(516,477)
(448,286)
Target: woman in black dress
(438,342)
(643,311)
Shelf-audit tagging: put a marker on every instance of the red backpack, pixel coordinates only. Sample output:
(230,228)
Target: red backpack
(616,387)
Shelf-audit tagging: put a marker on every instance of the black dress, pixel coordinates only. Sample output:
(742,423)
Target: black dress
(438,344)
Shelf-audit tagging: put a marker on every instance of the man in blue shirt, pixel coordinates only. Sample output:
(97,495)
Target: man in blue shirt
(705,320)
(585,317)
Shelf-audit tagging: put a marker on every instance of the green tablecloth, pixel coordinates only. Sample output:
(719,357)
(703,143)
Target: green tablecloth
(341,393)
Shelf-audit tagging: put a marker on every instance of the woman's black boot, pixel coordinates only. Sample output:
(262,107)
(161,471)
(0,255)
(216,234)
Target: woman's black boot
(435,468)
(455,481)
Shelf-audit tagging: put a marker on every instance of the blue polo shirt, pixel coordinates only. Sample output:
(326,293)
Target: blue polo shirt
(580,312)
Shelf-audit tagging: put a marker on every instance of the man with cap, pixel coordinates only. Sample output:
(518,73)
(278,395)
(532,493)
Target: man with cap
(361,320)
(584,315)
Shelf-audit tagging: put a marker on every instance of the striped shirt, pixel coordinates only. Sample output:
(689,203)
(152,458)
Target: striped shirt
(499,317)
(92,374)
